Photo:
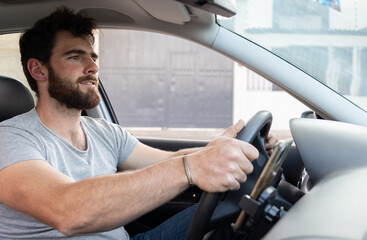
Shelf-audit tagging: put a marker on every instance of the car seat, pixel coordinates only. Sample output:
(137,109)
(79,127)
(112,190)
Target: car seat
(15,98)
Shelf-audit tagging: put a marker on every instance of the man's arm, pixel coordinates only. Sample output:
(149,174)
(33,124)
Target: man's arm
(91,205)
(106,202)
(144,156)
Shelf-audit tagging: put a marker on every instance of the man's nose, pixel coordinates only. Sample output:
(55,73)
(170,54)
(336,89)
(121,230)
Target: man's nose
(92,67)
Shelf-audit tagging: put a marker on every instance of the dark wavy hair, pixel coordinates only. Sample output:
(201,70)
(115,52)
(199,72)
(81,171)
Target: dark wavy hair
(38,41)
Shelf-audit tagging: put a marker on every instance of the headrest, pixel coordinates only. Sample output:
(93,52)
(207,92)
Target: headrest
(15,98)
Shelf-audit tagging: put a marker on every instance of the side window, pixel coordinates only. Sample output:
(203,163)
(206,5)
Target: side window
(165,82)
(161,84)
(10,57)
(164,86)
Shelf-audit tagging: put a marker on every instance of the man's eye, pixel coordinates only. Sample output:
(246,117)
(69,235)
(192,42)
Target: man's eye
(74,57)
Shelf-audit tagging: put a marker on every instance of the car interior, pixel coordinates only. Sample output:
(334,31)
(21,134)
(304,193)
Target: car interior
(318,191)
(22,101)
(16,98)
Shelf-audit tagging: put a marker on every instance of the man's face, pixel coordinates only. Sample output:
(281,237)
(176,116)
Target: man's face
(72,72)
(68,92)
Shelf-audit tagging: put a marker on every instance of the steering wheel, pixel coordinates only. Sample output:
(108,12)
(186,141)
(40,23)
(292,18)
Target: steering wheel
(209,214)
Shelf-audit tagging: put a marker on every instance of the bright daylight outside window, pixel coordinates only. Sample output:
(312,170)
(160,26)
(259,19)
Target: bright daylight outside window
(10,57)
(168,87)
(325,38)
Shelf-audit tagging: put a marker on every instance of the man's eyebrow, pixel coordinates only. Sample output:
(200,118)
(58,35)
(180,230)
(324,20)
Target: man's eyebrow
(80,51)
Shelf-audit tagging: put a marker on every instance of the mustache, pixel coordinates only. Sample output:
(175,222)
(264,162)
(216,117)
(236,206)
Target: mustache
(88,77)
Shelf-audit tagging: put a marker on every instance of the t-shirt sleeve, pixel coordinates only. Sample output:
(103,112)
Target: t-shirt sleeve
(126,144)
(17,146)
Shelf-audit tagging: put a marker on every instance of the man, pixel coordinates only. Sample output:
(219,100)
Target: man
(58,170)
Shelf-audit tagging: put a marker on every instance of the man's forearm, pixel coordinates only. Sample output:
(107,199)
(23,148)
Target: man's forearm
(104,203)
(185,151)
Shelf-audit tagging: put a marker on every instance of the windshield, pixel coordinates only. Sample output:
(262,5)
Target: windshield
(325,38)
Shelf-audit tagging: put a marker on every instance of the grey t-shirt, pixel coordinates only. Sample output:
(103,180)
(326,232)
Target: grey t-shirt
(25,137)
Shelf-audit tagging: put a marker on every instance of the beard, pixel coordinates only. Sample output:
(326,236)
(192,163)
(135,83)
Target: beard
(68,93)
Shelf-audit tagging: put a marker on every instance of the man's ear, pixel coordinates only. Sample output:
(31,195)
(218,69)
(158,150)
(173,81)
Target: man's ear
(37,70)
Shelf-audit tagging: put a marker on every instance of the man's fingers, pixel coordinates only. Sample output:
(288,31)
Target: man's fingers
(249,151)
(234,129)
(270,142)
(246,164)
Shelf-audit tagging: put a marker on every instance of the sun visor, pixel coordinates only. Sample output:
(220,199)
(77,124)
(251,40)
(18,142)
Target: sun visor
(224,8)
(166,10)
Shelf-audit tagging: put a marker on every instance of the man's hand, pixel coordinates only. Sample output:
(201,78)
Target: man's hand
(270,142)
(224,163)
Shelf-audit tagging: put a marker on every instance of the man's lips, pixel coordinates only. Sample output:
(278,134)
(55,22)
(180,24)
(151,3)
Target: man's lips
(88,83)
(89,80)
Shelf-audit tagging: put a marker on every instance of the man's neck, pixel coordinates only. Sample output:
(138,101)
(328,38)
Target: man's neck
(63,121)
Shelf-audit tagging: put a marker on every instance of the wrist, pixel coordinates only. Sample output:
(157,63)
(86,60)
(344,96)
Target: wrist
(188,170)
